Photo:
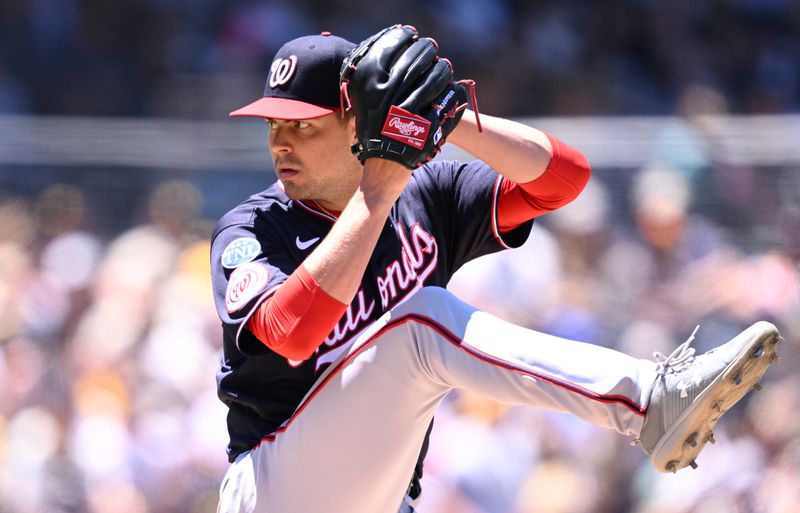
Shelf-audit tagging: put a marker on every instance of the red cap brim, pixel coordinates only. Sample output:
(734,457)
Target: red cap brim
(283,108)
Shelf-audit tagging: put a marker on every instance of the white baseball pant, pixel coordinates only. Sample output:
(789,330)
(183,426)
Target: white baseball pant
(352,444)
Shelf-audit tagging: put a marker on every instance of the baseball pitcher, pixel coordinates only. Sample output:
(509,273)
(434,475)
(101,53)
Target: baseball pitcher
(340,339)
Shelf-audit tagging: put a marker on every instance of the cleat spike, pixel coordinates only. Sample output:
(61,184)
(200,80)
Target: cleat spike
(711,438)
(757,387)
(672,466)
(693,464)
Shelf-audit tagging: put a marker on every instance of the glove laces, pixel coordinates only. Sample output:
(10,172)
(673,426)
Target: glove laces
(679,359)
(473,99)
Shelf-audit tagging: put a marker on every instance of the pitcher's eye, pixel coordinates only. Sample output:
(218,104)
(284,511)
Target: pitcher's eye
(303,124)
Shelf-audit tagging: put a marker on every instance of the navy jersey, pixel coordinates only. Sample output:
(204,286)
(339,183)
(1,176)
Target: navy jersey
(446,216)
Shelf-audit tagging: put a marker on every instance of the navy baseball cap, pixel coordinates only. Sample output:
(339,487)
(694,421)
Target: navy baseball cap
(303,80)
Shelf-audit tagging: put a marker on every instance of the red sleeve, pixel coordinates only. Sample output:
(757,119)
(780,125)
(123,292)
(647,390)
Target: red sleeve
(285,323)
(565,177)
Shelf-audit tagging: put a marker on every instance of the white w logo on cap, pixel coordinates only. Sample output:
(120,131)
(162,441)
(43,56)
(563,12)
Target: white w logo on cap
(282,71)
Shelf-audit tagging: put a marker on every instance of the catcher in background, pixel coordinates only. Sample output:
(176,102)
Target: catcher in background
(339,337)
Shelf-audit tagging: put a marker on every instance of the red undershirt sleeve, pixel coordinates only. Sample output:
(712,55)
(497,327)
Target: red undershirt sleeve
(565,177)
(297,318)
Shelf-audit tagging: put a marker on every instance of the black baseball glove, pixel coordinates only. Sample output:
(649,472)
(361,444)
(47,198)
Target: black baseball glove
(403,95)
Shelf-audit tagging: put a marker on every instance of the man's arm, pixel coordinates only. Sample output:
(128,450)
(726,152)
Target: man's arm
(518,152)
(338,263)
(542,173)
(330,276)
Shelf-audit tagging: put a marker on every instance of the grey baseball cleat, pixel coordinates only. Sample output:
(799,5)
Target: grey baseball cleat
(691,393)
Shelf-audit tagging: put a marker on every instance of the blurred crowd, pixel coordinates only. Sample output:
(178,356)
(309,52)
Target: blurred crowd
(109,345)
(203,58)
(109,349)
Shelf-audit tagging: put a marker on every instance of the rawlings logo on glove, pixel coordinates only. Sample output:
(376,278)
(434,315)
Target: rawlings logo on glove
(403,95)
(406,127)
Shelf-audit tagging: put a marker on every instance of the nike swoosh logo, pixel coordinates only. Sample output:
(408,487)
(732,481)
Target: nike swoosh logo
(303,245)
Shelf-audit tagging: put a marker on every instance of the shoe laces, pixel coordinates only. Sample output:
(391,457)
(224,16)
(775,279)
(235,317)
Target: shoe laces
(679,359)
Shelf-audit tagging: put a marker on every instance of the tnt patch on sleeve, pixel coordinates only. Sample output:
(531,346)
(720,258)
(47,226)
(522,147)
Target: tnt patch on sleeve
(240,251)
(246,282)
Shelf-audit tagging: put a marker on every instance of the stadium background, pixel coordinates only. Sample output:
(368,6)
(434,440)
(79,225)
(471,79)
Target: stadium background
(116,158)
